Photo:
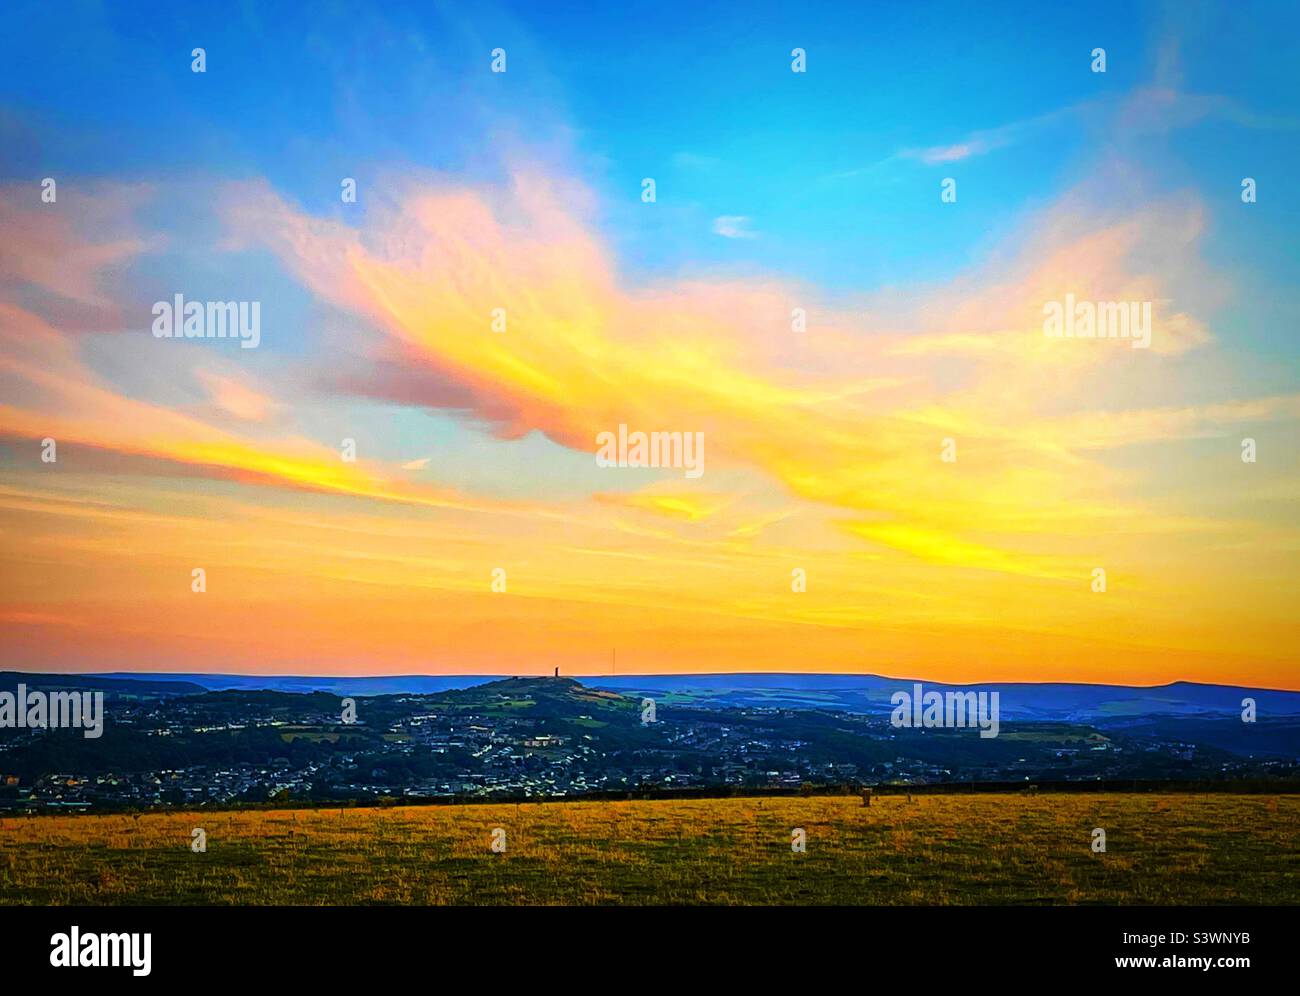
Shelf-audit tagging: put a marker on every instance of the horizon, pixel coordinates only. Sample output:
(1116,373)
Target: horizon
(718,358)
(395,676)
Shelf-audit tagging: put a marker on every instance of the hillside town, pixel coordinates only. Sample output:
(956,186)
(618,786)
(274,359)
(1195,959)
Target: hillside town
(529,739)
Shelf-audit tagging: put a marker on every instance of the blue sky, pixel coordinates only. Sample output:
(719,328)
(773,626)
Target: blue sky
(825,168)
(699,96)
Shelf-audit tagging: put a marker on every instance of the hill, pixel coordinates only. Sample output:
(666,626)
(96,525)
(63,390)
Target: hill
(861,693)
(131,686)
(525,738)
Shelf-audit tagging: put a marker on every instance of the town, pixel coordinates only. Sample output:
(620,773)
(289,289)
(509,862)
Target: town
(535,738)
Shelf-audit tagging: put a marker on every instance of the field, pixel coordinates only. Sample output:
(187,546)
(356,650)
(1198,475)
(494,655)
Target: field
(939,849)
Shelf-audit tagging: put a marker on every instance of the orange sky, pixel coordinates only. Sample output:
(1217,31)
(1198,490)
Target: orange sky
(823,455)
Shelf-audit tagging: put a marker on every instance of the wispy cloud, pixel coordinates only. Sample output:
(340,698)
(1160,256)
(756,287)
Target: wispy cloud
(980,143)
(733,226)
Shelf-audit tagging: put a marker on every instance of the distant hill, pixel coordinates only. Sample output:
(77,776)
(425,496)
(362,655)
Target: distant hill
(401,684)
(124,684)
(866,694)
(552,737)
(870,694)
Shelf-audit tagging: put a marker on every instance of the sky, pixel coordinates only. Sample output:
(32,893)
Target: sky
(840,284)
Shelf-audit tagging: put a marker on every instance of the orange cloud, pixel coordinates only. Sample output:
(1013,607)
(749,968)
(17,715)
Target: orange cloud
(857,426)
(825,452)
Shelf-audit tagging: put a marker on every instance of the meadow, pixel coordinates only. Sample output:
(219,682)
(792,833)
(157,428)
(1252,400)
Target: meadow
(936,849)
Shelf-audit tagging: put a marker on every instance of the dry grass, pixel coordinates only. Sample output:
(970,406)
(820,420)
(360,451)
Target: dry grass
(1177,849)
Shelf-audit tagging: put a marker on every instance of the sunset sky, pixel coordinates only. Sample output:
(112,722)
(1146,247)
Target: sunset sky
(774,191)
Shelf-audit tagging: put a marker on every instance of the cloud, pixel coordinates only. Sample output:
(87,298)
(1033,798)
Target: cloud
(979,143)
(685,505)
(854,422)
(235,397)
(733,226)
(74,249)
(851,424)
(1157,108)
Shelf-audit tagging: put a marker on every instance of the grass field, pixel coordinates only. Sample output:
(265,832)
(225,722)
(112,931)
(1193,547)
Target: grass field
(991,849)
